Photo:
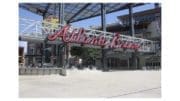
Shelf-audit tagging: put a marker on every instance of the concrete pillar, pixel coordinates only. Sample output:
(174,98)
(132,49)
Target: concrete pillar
(128,63)
(141,62)
(27,60)
(52,54)
(57,55)
(67,54)
(34,53)
(134,61)
(44,52)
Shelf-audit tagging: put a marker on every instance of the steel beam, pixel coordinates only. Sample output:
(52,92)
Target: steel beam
(131,22)
(62,22)
(132,33)
(54,10)
(103,19)
(76,14)
(46,10)
(57,45)
(62,48)
(62,13)
(157,5)
(57,55)
(121,8)
(103,24)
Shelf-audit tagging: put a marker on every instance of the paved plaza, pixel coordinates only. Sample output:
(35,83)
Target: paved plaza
(92,84)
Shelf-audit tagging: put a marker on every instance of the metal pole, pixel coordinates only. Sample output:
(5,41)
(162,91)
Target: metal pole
(54,9)
(132,33)
(43,50)
(103,24)
(136,64)
(57,45)
(131,22)
(62,22)
(52,54)
(103,17)
(62,13)
(61,17)
(57,55)
(66,45)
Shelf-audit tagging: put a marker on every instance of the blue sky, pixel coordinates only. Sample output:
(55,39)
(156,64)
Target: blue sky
(95,21)
(110,18)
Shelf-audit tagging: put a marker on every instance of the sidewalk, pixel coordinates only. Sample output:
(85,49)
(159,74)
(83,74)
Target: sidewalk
(93,83)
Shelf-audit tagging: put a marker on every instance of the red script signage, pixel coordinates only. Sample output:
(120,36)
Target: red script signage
(80,37)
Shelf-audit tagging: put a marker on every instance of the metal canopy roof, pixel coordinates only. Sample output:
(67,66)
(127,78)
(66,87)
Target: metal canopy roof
(74,11)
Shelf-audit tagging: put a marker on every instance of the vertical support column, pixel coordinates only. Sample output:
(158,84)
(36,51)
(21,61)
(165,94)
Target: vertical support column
(136,61)
(52,54)
(61,13)
(41,54)
(132,33)
(67,54)
(62,22)
(43,50)
(34,53)
(58,48)
(57,55)
(103,24)
(28,52)
(57,45)
(131,22)
(103,17)
(128,63)
(61,17)
(63,56)
(142,62)
(54,10)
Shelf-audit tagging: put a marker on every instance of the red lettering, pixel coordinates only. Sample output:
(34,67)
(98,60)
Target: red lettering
(80,37)
(58,34)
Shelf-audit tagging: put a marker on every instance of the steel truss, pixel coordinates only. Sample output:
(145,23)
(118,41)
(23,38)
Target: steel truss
(38,30)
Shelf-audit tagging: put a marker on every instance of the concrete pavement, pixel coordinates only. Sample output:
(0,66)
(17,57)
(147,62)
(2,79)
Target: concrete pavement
(93,84)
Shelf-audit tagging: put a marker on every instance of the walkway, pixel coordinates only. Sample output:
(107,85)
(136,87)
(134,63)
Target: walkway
(92,83)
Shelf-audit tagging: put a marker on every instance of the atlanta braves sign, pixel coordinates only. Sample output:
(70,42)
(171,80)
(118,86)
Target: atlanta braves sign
(79,36)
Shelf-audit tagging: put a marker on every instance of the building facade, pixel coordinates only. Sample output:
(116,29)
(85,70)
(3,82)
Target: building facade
(147,25)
